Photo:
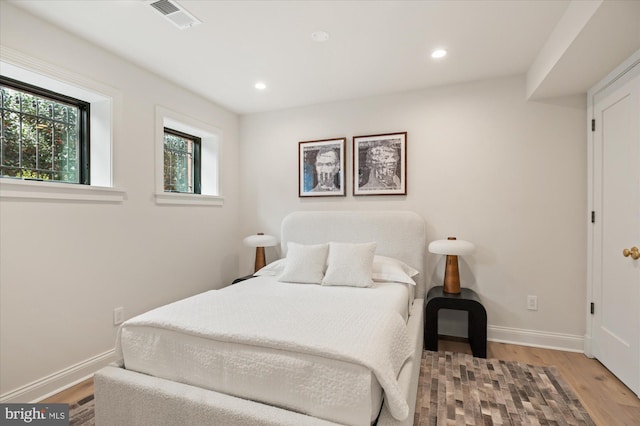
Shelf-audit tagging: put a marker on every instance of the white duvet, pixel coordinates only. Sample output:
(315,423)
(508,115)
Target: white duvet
(363,326)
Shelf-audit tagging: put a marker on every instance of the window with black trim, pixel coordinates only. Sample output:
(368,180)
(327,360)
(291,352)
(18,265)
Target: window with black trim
(44,135)
(181,162)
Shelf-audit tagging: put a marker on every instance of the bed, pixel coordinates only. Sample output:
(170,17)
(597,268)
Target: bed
(328,354)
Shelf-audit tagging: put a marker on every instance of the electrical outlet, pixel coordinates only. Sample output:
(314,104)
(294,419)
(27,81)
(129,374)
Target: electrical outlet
(532,303)
(118,316)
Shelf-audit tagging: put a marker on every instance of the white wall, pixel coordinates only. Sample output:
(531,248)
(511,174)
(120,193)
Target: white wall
(483,165)
(66,265)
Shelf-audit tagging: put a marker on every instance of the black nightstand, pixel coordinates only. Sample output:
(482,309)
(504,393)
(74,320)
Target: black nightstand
(246,277)
(467,300)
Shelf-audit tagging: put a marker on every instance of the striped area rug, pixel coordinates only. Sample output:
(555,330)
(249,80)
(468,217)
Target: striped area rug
(458,389)
(82,412)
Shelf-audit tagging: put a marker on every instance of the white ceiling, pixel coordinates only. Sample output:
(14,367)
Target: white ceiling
(375,47)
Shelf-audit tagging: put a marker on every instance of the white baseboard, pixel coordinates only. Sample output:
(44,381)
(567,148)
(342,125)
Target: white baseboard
(451,325)
(58,381)
(539,339)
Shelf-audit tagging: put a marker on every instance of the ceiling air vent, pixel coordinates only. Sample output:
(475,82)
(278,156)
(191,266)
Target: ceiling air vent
(175,13)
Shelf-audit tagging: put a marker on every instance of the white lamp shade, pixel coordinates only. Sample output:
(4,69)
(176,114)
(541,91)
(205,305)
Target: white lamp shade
(453,247)
(260,241)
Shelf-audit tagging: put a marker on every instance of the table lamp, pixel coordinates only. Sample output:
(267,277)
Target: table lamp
(452,248)
(260,241)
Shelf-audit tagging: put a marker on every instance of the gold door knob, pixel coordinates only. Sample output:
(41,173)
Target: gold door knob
(633,252)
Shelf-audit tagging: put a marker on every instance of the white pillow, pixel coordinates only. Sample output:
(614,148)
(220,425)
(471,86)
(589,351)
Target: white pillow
(305,264)
(275,268)
(390,269)
(385,269)
(350,264)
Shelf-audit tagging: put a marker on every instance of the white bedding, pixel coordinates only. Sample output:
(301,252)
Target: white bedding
(324,351)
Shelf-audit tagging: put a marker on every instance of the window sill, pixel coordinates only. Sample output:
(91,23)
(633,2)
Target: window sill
(173,198)
(15,189)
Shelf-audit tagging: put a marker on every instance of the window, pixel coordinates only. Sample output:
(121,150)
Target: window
(181,162)
(44,135)
(96,174)
(187,160)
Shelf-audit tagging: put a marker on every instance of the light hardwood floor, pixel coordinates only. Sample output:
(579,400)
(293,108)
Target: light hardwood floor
(608,401)
(73,394)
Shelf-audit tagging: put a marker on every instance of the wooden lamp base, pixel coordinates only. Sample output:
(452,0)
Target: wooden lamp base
(451,275)
(260,259)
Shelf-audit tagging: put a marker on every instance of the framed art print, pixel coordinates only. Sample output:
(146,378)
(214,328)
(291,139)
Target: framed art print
(380,164)
(321,166)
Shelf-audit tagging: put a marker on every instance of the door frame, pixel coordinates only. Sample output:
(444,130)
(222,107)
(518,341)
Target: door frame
(616,78)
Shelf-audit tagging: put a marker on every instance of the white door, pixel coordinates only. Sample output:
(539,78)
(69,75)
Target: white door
(616,281)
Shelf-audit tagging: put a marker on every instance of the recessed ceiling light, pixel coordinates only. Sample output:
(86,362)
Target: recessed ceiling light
(319,36)
(260,85)
(438,53)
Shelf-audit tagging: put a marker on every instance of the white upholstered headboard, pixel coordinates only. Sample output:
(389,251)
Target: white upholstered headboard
(398,234)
